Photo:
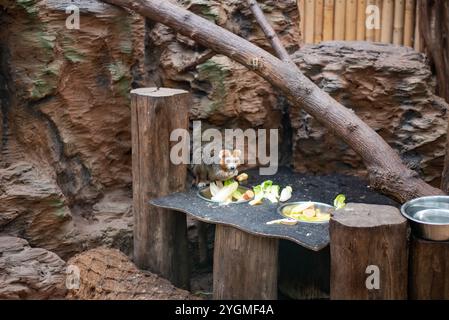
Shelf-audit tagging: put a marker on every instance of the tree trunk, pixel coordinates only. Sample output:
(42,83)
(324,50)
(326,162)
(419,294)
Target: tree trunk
(387,173)
(429,270)
(160,235)
(434,29)
(245,265)
(368,253)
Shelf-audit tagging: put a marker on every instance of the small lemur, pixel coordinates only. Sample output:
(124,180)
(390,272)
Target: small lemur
(224,165)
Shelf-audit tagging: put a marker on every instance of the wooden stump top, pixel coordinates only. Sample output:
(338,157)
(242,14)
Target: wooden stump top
(366,215)
(158,92)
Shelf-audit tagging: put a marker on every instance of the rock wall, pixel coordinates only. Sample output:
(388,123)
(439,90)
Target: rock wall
(389,87)
(30,273)
(65,118)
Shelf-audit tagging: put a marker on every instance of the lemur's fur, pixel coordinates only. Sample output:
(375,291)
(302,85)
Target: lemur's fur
(224,166)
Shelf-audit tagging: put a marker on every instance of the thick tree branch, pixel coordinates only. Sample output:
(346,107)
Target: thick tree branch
(386,171)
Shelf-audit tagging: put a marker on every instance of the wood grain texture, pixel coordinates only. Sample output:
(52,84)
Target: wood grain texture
(429,270)
(245,266)
(351,20)
(398,25)
(370,33)
(387,21)
(378,31)
(319,11)
(328,20)
(309,15)
(363,235)
(361,19)
(339,19)
(409,22)
(160,235)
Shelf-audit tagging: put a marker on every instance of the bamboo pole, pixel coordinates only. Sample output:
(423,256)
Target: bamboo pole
(361,18)
(351,20)
(409,20)
(377,32)
(387,21)
(302,20)
(417,43)
(309,15)
(339,20)
(319,11)
(370,33)
(398,25)
(328,20)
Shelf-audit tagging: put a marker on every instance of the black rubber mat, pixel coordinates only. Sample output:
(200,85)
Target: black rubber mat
(253,219)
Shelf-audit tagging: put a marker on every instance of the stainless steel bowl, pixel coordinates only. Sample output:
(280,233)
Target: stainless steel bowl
(206,195)
(318,205)
(429,217)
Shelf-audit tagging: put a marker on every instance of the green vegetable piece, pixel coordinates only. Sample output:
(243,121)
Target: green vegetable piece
(339,201)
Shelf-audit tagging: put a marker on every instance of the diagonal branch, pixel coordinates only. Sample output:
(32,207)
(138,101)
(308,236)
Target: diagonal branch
(386,171)
(269,32)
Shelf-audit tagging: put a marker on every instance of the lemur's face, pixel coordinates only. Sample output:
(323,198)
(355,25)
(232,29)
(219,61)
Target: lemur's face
(229,160)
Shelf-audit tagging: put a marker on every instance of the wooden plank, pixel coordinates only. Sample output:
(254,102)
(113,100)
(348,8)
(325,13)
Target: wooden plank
(328,20)
(351,20)
(160,235)
(302,20)
(309,16)
(361,20)
(387,21)
(368,253)
(429,270)
(339,19)
(319,11)
(409,22)
(245,266)
(370,33)
(417,43)
(377,32)
(398,24)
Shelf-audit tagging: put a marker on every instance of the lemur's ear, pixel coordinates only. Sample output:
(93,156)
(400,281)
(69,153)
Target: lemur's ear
(237,153)
(224,153)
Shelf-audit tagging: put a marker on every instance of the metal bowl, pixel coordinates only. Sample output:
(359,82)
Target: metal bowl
(318,205)
(206,195)
(429,217)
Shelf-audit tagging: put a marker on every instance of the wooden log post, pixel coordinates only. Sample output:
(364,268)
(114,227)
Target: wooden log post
(429,270)
(368,253)
(245,265)
(160,235)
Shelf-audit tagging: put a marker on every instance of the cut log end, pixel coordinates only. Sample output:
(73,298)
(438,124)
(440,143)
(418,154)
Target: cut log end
(361,215)
(158,92)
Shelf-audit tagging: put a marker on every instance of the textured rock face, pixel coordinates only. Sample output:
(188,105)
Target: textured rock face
(65,112)
(107,274)
(390,88)
(29,273)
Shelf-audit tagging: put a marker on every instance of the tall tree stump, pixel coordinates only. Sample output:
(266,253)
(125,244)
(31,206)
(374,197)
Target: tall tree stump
(368,253)
(429,270)
(160,235)
(245,265)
